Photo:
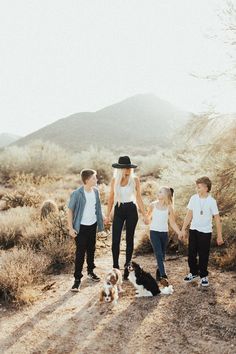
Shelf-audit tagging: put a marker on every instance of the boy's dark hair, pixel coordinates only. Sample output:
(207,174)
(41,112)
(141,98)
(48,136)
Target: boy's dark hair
(205,180)
(86,174)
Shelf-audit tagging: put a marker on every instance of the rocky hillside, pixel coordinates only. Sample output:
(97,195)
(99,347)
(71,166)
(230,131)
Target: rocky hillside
(139,120)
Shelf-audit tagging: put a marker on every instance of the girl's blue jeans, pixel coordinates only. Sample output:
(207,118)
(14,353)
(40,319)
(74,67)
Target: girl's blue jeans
(159,241)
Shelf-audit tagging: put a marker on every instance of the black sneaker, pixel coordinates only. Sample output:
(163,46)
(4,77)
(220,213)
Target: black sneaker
(76,286)
(93,276)
(158,275)
(190,277)
(126,273)
(164,276)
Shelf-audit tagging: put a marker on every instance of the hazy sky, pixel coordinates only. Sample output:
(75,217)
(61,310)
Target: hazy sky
(59,57)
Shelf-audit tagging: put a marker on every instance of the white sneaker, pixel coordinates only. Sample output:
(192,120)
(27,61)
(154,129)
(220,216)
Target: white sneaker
(190,277)
(204,281)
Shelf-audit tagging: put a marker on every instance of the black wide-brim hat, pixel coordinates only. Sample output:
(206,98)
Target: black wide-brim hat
(124,162)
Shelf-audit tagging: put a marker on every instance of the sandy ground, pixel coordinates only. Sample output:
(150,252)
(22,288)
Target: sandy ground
(192,320)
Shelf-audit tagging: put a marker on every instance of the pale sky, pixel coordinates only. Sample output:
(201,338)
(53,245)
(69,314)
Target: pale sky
(59,57)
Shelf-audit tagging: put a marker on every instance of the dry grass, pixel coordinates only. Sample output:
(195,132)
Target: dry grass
(19,269)
(22,198)
(149,188)
(47,208)
(38,158)
(29,179)
(97,159)
(225,257)
(104,193)
(57,244)
(13,223)
(151,164)
(143,245)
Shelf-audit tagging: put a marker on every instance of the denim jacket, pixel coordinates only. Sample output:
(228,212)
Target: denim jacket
(77,203)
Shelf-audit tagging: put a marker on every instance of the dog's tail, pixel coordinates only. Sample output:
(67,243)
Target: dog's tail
(167,290)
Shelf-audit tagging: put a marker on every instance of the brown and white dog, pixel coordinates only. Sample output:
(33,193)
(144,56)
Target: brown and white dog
(114,277)
(111,286)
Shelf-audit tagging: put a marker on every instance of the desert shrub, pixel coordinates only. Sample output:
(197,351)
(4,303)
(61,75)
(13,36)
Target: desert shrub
(225,256)
(22,198)
(33,235)
(104,193)
(13,223)
(48,207)
(39,158)
(2,192)
(29,179)
(57,244)
(143,245)
(224,189)
(151,165)
(97,159)
(149,188)
(20,268)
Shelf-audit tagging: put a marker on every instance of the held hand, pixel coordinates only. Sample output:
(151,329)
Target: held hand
(107,220)
(219,241)
(146,220)
(183,235)
(180,235)
(73,233)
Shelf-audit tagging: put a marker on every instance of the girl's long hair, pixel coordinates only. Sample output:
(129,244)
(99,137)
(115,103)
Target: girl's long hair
(169,196)
(118,176)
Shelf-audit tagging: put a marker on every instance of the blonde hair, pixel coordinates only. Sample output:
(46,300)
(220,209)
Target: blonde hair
(118,177)
(169,195)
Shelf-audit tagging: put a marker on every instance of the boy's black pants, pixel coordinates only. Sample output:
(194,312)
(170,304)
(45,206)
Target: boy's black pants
(85,243)
(199,245)
(126,212)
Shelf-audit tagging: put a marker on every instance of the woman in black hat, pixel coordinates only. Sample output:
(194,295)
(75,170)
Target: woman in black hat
(125,192)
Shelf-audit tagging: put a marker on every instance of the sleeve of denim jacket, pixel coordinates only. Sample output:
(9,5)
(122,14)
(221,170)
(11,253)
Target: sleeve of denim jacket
(99,201)
(72,201)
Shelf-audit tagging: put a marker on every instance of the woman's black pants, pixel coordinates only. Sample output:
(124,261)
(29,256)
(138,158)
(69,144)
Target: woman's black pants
(126,213)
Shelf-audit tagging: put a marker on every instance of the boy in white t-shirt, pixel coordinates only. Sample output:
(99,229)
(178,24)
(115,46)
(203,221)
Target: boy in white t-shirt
(201,207)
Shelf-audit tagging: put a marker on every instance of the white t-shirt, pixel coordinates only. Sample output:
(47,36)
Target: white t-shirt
(89,215)
(203,209)
(159,219)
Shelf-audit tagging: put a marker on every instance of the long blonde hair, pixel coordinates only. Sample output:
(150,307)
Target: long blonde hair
(169,196)
(118,174)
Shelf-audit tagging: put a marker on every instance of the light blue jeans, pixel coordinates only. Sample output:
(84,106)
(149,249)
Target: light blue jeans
(159,241)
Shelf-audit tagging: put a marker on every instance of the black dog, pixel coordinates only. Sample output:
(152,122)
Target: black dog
(144,283)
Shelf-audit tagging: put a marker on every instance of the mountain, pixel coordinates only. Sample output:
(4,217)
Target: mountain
(141,120)
(7,139)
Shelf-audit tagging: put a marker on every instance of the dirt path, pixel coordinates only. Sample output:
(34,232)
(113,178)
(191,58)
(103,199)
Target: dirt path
(191,320)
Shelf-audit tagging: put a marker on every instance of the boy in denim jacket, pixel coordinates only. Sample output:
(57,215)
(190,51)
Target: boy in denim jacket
(84,220)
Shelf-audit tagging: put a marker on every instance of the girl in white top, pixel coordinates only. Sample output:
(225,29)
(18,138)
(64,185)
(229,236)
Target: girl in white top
(161,213)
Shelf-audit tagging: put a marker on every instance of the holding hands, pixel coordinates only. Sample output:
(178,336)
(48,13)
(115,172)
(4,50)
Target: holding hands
(146,219)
